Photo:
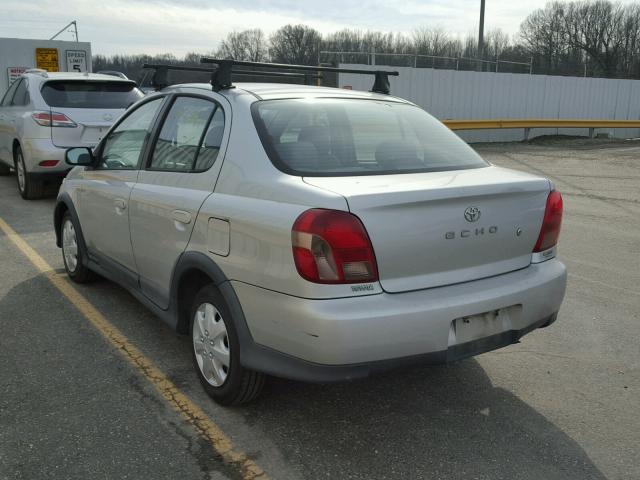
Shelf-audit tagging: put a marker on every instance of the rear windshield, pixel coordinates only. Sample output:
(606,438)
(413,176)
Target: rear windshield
(338,137)
(83,94)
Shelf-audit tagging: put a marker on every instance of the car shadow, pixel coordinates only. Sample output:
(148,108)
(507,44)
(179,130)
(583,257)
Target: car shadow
(430,422)
(438,422)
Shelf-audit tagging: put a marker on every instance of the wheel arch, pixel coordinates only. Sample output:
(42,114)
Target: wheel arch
(65,204)
(192,272)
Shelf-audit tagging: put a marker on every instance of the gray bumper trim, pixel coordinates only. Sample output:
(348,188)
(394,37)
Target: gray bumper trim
(46,176)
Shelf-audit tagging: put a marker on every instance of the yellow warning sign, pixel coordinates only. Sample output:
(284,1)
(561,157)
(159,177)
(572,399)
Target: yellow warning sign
(47,59)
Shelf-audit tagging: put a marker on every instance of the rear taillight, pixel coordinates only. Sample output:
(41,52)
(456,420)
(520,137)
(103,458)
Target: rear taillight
(331,246)
(550,230)
(53,119)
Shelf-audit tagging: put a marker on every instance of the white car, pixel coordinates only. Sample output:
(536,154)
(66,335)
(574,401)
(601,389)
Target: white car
(42,114)
(311,233)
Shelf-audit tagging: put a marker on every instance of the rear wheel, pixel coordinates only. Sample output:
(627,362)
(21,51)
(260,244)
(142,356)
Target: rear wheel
(216,351)
(72,253)
(28,187)
(4,169)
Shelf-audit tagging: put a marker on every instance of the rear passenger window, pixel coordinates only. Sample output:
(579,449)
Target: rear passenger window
(212,141)
(190,137)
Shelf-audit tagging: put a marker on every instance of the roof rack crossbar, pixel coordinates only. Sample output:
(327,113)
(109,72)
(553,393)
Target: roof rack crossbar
(308,78)
(381,83)
(221,75)
(159,79)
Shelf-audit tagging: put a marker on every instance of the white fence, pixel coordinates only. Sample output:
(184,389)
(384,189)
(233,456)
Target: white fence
(450,94)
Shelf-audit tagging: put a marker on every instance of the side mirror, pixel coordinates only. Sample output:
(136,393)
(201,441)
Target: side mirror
(81,156)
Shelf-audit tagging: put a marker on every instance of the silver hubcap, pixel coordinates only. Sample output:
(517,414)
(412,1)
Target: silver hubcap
(69,246)
(211,344)
(20,172)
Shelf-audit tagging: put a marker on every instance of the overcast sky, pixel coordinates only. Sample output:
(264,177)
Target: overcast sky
(157,26)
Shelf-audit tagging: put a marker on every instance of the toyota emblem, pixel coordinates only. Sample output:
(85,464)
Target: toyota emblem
(472,214)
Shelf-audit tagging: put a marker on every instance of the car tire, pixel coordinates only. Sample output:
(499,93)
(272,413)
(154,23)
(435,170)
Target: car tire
(29,188)
(216,351)
(72,251)
(4,170)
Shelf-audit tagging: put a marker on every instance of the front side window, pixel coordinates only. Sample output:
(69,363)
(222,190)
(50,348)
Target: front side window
(190,137)
(339,137)
(90,94)
(123,145)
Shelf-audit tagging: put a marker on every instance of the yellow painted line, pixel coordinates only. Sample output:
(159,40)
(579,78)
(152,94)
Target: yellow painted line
(193,414)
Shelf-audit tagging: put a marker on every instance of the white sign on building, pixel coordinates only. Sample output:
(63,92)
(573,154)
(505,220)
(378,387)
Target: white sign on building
(76,61)
(16,54)
(14,72)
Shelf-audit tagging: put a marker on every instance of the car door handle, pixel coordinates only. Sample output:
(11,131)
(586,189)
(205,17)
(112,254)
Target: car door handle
(120,203)
(181,216)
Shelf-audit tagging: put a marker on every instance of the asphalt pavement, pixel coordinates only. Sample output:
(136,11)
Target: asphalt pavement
(562,404)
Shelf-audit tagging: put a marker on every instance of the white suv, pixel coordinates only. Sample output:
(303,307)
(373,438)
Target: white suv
(311,233)
(42,114)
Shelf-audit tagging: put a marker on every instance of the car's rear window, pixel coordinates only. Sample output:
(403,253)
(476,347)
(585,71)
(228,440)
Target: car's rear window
(90,94)
(338,137)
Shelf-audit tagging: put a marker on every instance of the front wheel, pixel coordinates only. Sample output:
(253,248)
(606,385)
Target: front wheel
(216,351)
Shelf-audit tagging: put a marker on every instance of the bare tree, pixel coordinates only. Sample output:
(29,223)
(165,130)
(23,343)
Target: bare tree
(295,44)
(435,41)
(496,43)
(630,55)
(598,28)
(250,45)
(582,37)
(543,34)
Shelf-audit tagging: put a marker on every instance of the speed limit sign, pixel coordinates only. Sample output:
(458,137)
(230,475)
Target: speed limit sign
(76,61)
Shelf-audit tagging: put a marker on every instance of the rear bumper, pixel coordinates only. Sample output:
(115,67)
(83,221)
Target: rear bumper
(39,149)
(49,175)
(336,339)
(281,365)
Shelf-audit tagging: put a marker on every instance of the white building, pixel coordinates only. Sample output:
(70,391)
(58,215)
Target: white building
(19,54)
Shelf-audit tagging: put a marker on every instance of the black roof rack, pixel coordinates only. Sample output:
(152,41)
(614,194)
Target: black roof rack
(159,79)
(221,75)
(222,78)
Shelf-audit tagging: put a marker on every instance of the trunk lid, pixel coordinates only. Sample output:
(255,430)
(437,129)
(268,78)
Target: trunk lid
(93,124)
(440,228)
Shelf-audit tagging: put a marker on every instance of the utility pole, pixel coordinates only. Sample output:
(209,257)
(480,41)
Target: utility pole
(481,36)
